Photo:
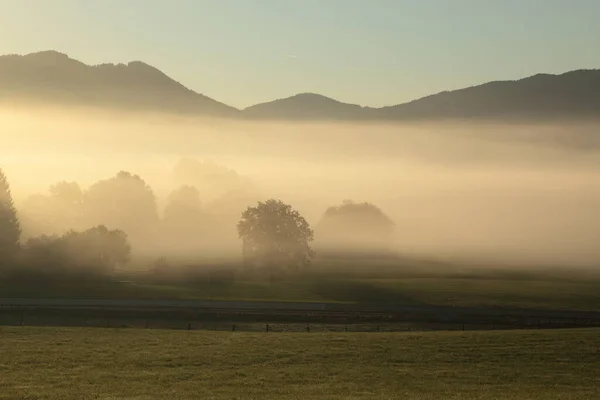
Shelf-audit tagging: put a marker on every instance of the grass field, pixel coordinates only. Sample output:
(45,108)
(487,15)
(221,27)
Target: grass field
(353,281)
(478,291)
(65,364)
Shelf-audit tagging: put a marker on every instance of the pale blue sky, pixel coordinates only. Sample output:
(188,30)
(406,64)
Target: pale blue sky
(370,52)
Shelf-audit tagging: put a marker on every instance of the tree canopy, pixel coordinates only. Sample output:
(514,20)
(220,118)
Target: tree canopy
(125,202)
(54,213)
(97,251)
(183,201)
(187,228)
(355,227)
(213,179)
(275,236)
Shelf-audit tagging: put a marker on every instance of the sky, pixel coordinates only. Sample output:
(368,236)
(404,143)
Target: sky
(368,52)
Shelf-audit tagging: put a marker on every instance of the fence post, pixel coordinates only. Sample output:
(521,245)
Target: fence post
(346,328)
(233,328)
(410,327)
(189,326)
(267,328)
(307,328)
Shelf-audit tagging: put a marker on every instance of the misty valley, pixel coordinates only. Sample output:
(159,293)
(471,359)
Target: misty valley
(153,203)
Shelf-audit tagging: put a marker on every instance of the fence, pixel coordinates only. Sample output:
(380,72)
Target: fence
(37,319)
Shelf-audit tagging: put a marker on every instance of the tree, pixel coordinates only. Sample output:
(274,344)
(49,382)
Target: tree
(98,249)
(183,205)
(124,202)
(213,179)
(355,227)
(186,227)
(275,236)
(43,255)
(68,199)
(95,251)
(10,229)
(55,213)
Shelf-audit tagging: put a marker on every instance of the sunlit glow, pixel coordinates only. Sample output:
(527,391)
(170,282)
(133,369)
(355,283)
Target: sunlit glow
(516,193)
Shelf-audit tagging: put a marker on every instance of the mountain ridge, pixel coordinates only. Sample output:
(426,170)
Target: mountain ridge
(136,85)
(51,76)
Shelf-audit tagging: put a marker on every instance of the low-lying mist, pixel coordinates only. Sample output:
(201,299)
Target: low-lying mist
(491,193)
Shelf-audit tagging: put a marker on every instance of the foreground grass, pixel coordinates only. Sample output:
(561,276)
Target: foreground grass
(47,363)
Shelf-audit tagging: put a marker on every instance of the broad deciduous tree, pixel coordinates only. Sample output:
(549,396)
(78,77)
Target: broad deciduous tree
(123,202)
(275,236)
(94,251)
(355,227)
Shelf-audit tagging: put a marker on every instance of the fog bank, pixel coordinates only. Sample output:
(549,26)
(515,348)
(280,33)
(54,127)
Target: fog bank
(508,193)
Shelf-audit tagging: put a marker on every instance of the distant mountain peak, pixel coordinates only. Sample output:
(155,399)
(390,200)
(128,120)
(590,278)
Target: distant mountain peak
(311,96)
(48,54)
(143,66)
(303,106)
(51,76)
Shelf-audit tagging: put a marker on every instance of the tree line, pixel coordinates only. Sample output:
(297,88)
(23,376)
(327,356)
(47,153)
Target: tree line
(96,229)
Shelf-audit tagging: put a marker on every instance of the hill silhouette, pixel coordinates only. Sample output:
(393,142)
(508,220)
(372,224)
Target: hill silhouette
(53,77)
(305,106)
(573,94)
